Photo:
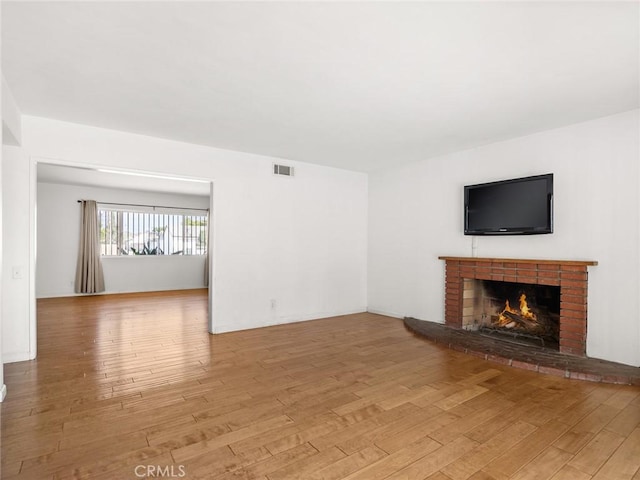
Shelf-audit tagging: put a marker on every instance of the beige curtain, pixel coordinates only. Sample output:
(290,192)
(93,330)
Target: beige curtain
(89,276)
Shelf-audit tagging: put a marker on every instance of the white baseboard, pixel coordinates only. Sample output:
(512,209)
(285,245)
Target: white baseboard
(285,320)
(3,392)
(386,314)
(16,357)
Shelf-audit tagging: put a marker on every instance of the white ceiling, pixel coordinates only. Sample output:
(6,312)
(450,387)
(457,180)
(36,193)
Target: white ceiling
(357,85)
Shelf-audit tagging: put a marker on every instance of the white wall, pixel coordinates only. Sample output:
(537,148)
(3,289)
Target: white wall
(11,117)
(16,274)
(58,227)
(300,241)
(3,387)
(415,215)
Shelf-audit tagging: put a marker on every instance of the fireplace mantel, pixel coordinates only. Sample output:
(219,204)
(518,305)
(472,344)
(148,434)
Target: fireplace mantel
(586,263)
(569,275)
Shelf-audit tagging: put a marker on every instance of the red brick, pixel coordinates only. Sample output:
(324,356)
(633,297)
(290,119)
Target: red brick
(574,268)
(572,299)
(571,337)
(573,306)
(483,269)
(546,274)
(575,333)
(527,279)
(497,265)
(590,377)
(510,278)
(557,372)
(573,283)
(483,276)
(572,342)
(618,379)
(573,276)
(574,345)
(524,365)
(577,292)
(496,277)
(573,329)
(499,359)
(466,271)
(526,266)
(579,352)
(573,314)
(452,318)
(474,353)
(510,265)
(549,266)
(552,282)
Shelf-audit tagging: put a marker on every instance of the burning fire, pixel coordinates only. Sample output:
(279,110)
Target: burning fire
(524,312)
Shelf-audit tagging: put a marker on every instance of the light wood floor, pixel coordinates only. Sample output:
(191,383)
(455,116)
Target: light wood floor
(131,382)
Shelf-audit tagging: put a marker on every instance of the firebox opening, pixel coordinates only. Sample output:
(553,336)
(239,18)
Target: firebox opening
(519,312)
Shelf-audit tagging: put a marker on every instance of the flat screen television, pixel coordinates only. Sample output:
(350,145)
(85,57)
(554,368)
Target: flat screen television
(520,206)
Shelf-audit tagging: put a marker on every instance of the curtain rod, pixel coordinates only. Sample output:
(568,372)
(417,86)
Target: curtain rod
(148,206)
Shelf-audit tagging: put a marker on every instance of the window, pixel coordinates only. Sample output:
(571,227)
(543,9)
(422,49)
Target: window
(133,230)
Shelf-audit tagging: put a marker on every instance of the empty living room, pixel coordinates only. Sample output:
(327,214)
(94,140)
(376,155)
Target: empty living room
(320,240)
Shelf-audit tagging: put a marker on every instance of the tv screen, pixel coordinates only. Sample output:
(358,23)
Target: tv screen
(520,206)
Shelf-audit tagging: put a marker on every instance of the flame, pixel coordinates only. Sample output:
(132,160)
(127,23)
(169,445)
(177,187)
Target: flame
(524,308)
(524,311)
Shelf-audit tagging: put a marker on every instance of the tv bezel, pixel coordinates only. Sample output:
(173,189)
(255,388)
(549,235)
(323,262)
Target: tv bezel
(512,231)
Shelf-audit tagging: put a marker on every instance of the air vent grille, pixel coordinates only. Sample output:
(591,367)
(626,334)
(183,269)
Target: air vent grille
(282,170)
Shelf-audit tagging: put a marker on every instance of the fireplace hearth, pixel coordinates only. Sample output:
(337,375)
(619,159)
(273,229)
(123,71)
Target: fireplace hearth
(539,302)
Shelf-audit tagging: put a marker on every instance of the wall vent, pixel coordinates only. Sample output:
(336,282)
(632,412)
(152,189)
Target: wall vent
(282,170)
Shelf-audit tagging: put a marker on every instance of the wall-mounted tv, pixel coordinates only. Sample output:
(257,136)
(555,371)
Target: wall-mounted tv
(520,206)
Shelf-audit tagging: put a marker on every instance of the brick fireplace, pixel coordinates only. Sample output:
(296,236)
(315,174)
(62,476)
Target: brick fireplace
(569,275)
